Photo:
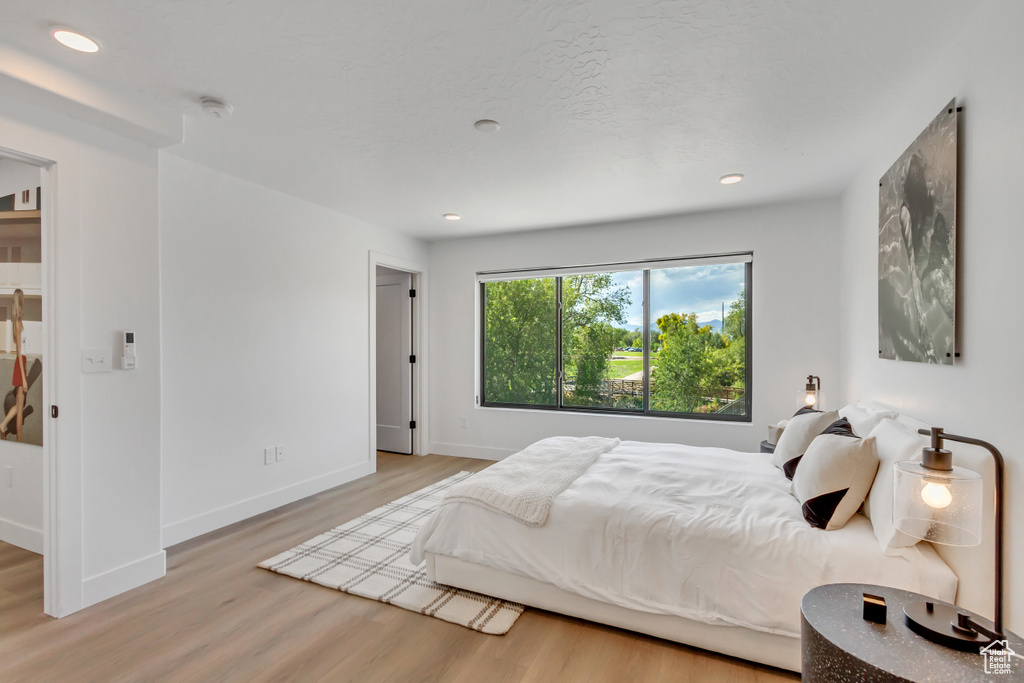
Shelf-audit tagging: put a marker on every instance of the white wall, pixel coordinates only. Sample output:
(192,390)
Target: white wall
(21,506)
(106,278)
(980,396)
(795,320)
(266,343)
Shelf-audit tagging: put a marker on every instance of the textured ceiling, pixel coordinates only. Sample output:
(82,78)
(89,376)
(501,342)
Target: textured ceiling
(609,109)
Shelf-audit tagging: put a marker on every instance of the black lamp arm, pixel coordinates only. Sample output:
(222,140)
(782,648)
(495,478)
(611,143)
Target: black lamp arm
(937,436)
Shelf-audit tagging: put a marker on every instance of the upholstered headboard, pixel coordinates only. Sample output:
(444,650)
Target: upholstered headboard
(974,566)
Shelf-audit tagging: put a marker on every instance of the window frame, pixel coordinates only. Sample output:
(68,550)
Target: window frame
(483,278)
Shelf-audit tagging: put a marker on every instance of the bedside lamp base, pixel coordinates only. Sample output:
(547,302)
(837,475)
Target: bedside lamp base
(947,626)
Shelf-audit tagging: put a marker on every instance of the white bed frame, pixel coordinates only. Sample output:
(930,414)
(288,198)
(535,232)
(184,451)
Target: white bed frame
(973,567)
(767,648)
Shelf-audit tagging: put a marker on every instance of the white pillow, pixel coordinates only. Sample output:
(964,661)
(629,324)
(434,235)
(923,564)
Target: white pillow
(799,434)
(894,442)
(864,418)
(834,476)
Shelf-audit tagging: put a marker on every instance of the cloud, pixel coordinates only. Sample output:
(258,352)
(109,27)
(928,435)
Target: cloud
(686,289)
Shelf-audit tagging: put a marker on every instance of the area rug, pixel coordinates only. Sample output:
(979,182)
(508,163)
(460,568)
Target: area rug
(369,557)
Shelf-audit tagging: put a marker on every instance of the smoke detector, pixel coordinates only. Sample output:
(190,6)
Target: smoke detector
(216,108)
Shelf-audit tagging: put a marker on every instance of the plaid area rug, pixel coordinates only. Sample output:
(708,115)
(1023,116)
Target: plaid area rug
(369,557)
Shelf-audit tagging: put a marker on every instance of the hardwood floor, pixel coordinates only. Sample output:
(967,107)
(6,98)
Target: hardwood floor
(216,617)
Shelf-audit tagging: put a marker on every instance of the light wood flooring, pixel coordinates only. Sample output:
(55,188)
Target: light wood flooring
(216,617)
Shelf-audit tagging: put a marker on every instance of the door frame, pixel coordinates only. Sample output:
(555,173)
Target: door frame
(420,440)
(400,282)
(62,466)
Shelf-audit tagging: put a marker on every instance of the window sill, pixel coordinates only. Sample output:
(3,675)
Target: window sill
(585,413)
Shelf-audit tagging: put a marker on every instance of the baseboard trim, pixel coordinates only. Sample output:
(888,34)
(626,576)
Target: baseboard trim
(123,579)
(186,529)
(478,452)
(21,536)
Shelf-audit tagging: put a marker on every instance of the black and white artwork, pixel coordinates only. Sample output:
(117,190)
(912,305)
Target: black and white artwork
(917,248)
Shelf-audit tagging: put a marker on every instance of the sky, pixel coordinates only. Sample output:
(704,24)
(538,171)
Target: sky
(688,289)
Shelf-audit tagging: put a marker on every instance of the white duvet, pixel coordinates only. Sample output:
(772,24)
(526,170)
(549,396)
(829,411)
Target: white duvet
(708,534)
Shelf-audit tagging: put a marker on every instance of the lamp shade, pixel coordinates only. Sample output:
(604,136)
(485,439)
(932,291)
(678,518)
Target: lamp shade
(941,506)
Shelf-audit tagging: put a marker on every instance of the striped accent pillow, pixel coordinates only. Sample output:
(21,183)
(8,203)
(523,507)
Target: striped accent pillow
(833,479)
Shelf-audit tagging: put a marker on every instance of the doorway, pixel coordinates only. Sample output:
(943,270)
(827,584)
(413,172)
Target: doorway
(395,360)
(22,359)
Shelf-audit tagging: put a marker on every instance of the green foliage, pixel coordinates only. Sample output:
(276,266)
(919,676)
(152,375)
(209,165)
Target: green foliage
(736,321)
(519,337)
(589,352)
(519,342)
(733,360)
(589,304)
(685,370)
(623,338)
(696,366)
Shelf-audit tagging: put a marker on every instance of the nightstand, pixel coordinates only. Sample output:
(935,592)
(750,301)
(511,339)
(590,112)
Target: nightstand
(767,447)
(838,644)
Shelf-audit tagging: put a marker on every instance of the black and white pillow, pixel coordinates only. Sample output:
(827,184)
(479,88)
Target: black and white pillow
(798,435)
(833,479)
(841,427)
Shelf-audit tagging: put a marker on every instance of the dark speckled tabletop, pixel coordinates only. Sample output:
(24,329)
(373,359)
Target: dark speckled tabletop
(839,645)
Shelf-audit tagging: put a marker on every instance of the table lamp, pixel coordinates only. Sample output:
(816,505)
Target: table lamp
(938,502)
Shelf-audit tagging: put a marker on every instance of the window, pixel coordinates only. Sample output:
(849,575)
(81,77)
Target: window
(666,338)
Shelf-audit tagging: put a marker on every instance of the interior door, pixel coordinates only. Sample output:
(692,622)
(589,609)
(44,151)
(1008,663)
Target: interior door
(394,366)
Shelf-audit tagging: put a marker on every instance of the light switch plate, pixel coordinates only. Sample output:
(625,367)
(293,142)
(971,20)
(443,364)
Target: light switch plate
(96,360)
(279,453)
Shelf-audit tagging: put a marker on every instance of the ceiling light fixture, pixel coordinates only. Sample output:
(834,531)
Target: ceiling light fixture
(216,108)
(75,40)
(452,217)
(487,126)
(731,179)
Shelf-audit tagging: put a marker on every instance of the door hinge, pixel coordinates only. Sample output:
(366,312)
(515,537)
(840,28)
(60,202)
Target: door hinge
(412,293)
(54,411)
(412,359)
(412,424)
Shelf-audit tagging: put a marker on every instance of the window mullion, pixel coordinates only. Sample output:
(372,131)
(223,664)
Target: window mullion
(647,342)
(559,364)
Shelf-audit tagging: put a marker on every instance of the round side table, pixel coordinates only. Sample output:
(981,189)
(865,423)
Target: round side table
(838,644)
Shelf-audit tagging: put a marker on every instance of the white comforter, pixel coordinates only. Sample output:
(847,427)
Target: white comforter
(708,534)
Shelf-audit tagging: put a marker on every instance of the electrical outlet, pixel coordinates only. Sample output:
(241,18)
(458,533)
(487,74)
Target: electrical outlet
(9,476)
(279,453)
(465,422)
(269,456)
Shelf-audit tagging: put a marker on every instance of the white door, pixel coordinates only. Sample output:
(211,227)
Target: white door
(394,366)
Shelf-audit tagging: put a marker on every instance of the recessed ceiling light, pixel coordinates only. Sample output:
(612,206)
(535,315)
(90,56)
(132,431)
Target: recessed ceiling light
(452,217)
(731,179)
(75,40)
(487,126)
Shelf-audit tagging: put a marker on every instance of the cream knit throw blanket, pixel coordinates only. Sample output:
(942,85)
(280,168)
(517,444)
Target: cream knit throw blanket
(522,486)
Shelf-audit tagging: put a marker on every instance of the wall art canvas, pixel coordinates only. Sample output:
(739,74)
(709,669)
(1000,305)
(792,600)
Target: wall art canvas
(917,248)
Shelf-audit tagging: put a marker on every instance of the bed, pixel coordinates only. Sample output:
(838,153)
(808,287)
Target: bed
(703,546)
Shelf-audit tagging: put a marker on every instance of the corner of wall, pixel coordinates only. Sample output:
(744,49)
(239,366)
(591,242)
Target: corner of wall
(124,578)
(21,536)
